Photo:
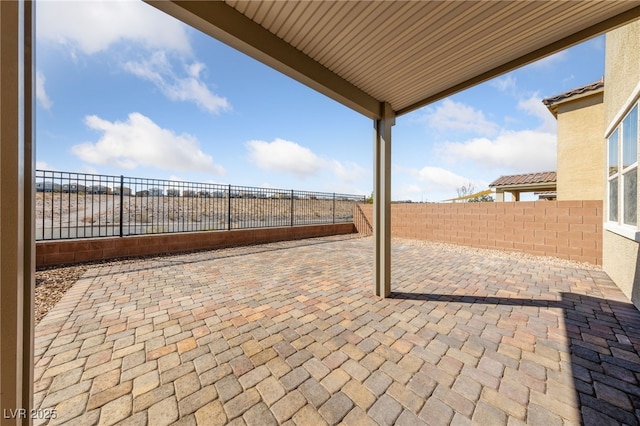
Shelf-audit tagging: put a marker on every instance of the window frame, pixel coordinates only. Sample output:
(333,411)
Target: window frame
(618,224)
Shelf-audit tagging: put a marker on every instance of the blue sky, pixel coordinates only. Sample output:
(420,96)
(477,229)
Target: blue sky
(125,89)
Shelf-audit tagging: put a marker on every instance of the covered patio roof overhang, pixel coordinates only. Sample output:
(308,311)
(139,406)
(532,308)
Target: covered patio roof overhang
(383,59)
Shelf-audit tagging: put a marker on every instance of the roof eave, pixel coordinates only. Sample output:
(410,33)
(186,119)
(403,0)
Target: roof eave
(571,40)
(224,23)
(547,186)
(554,105)
(235,29)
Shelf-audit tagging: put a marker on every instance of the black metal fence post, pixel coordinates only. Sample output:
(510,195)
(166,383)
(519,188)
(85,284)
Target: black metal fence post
(121,202)
(334,207)
(229,209)
(292,207)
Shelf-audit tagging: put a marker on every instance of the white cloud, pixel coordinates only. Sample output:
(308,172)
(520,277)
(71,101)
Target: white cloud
(139,141)
(413,190)
(289,157)
(551,60)
(437,178)
(433,184)
(43,165)
(93,26)
(451,115)
(41,93)
(567,80)
(349,172)
(505,84)
(90,169)
(534,107)
(285,156)
(187,87)
(521,151)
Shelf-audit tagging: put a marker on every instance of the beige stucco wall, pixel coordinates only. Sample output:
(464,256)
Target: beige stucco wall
(622,76)
(622,68)
(580,149)
(620,262)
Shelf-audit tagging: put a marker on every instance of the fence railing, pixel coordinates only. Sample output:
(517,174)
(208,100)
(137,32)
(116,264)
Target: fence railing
(82,205)
(361,222)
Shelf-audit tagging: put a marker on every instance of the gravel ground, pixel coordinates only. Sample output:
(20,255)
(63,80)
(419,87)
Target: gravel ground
(53,282)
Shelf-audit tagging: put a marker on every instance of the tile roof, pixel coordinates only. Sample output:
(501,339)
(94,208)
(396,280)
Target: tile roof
(525,179)
(578,91)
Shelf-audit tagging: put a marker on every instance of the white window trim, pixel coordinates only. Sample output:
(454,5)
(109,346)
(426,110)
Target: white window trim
(613,177)
(628,231)
(631,101)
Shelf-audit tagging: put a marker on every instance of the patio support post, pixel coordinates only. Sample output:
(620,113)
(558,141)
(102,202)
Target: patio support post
(17,246)
(382,200)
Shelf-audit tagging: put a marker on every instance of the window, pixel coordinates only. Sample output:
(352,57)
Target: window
(623,171)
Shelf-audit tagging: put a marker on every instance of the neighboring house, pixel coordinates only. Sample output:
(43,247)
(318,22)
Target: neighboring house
(580,154)
(73,188)
(580,115)
(99,189)
(621,236)
(117,190)
(547,195)
(48,186)
(528,182)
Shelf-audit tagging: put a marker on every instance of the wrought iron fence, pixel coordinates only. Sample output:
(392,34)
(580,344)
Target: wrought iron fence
(81,205)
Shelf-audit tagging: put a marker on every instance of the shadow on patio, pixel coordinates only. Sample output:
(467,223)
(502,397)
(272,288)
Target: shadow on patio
(605,363)
(292,333)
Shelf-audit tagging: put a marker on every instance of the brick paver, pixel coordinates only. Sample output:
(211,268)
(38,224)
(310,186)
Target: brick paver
(291,333)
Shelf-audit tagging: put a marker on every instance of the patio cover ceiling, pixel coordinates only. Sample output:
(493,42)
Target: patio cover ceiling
(405,53)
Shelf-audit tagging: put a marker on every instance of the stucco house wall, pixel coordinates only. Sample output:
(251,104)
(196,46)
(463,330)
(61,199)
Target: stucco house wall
(580,149)
(622,80)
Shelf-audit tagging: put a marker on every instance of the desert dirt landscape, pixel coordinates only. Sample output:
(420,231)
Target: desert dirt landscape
(76,215)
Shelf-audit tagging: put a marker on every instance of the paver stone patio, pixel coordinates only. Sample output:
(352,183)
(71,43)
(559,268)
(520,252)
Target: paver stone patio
(291,333)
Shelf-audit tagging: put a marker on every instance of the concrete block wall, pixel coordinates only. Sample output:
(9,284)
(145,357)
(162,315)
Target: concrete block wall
(565,229)
(77,251)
